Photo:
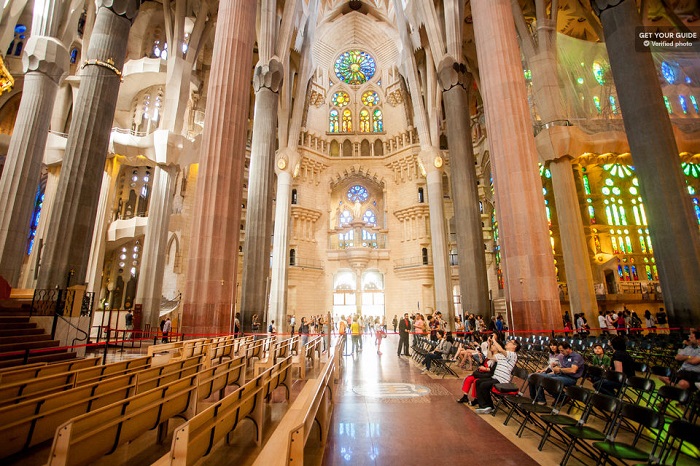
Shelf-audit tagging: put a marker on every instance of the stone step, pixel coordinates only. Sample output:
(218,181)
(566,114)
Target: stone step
(16,332)
(7,351)
(18,325)
(10,339)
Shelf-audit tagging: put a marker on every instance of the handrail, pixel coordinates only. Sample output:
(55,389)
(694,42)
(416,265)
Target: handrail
(75,327)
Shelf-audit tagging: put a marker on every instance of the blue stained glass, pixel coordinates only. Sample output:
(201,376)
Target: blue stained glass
(355,67)
(357,193)
(695,104)
(668,105)
(377,121)
(668,72)
(599,73)
(613,104)
(38,204)
(369,218)
(596,102)
(684,104)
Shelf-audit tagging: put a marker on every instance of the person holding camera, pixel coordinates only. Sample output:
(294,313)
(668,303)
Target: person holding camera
(506,358)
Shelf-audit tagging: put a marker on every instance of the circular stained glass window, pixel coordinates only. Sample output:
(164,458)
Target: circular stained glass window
(340,99)
(370,98)
(355,67)
(357,193)
(668,72)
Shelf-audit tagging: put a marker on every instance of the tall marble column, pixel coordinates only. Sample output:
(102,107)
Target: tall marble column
(261,176)
(674,231)
(473,281)
(46,63)
(438,242)
(531,285)
(280,256)
(211,273)
(73,218)
(150,288)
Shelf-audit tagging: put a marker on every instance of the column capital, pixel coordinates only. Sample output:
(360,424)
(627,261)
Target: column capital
(431,160)
(268,75)
(126,8)
(286,160)
(451,73)
(48,56)
(600,6)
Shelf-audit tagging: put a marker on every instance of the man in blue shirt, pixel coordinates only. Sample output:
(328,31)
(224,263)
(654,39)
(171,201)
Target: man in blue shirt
(569,372)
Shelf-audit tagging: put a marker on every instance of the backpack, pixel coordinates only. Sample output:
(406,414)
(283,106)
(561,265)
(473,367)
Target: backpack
(269,328)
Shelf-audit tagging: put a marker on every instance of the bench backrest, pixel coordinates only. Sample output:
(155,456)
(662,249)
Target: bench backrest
(43,370)
(35,421)
(153,377)
(88,437)
(218,377)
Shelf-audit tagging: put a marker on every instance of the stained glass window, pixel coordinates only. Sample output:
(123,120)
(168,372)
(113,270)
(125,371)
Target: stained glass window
(355,67)
(333,120)
(345,218)
(668,72)
(596,102)
(599,73)
(340,99)
(369,218)
(695,104)
(347,121)
(357,193)
(691,169)
(613,104)
(38,204)
(377,121)
(684,104)
(364,121)
(668,105)
(370,99)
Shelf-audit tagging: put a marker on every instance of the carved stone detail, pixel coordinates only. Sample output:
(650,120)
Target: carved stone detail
(451,74)
(126,8)
(46,55)
(269,75)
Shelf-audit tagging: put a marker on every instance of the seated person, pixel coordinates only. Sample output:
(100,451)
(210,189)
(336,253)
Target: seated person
(484,371)
(467,354)
(569,372)
(441,351)
(506,360)
(600,360)
(622,362)
(689,373)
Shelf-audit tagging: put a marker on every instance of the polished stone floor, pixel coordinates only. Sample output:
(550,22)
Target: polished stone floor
(387,412)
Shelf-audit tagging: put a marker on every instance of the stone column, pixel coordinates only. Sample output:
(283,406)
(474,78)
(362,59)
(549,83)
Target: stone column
(150,287)
(256,250)
(211,273)
(529,264)
(73,218)
(674,231)
(438,244)
(473,281)
(280,247)
(46,62)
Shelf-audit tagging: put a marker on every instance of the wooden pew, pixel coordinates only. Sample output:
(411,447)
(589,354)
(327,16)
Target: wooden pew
(153,377)
(216,378)
(313,405)
(37,387)
(279,350)
(34,421)
(14,374)
(201,434)
(86,438)
(192,348)
(280,375)
(307,352)
(179,349)
(225,347)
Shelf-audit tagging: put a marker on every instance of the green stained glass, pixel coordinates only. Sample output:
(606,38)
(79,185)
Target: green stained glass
(340,99)
(628,244)
(596,102)
(668,105)
(613,104)
(623,216)
(695,104)
(586,184)
(616,169)
(355,67)
(591,213)
(643,245)
(599,73)
(691,169)
(528,75)
(377,121)
(370,98)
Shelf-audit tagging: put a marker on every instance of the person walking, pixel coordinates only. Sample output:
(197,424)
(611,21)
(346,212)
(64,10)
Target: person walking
(129,324)
(404,330)
(395,322)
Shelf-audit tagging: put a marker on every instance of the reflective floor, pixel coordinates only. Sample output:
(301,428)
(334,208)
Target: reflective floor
(386,412)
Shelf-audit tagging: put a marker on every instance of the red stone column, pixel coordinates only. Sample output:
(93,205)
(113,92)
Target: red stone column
(211,273)
(531,287)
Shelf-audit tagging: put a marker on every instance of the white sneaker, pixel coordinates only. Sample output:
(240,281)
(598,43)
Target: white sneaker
(484,411)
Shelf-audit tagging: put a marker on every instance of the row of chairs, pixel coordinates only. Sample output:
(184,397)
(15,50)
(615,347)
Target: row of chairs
(422,346)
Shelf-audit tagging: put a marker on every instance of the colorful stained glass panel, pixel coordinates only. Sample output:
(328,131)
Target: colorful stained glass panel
(355,67)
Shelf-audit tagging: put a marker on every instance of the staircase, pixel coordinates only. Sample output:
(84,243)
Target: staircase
(18,334)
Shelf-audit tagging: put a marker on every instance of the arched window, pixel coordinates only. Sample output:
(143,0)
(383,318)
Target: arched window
(74,56)
(364,121)
(364,148)
(294,196)
(347,121)
(333,121)
(421,196)
(424,255)
(377,121)
(370,218)
(17,44)
(292,257)
(378,148)
(357,193)
(34,225)
(345,218)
